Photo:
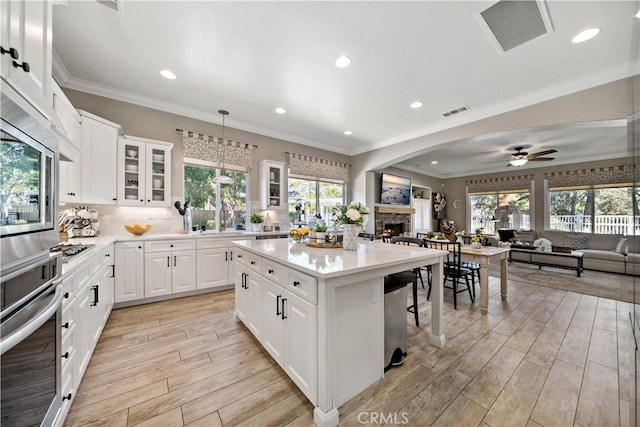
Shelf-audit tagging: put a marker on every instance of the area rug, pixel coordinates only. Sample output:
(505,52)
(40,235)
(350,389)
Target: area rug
(596,283)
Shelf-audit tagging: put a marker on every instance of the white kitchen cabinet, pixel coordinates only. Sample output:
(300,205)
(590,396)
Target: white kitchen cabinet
(144,172)
(157,274)
(273,194)
(25,33)
(421,218)
(70,178)
(129,277)
(99,156)
(286,306)
(169,267)
(67,124)
(215,266)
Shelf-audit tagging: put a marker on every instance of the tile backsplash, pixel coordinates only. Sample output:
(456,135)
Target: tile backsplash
(113,218)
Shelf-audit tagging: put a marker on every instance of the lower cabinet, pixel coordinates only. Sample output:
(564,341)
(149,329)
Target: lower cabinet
(129,281)
(169,272)
(283,316)
(88,297)
(215,266)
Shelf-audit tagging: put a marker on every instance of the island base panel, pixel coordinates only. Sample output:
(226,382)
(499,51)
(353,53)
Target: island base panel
(325,419)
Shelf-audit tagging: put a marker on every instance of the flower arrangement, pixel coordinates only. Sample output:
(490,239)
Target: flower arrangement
(353,213)
(479,231)
(476,238)
(460,233)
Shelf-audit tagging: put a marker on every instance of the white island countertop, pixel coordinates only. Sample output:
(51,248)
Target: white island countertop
(325,263)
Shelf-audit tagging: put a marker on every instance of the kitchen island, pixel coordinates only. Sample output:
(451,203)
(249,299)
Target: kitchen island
(320,312)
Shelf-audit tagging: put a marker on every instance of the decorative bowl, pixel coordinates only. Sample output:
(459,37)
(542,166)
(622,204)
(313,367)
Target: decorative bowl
(137,229)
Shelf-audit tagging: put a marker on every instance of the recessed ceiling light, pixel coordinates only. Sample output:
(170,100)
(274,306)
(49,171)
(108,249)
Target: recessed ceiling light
(167,74)
(638,15)
(586,35)
(416,104)
(280,110)
(343,62)
(347,132)
(434,162)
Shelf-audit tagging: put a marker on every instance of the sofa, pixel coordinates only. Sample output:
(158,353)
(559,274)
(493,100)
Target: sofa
(613,253)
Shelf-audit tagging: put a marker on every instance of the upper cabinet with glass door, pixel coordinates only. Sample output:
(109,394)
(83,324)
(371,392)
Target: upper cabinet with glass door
(272,189)
(144,172)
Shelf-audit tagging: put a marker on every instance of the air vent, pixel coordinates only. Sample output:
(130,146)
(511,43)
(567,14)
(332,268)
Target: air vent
(456,111)
(112,4)
(514,23)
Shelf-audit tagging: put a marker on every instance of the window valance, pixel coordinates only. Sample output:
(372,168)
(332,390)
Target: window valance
(211,149)
(596,176)
(313,167)
(509,183)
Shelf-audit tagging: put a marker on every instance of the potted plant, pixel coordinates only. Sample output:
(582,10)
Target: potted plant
(430,234)
(256,222)
(321,232)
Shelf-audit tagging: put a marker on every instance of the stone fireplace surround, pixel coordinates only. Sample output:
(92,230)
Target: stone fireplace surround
(391,218)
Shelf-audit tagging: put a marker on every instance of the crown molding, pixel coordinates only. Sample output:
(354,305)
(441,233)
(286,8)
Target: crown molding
(59,71)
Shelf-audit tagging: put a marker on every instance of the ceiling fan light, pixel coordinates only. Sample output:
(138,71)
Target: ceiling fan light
(518,162)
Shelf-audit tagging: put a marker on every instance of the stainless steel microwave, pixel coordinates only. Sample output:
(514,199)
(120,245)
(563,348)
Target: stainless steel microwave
(28,170)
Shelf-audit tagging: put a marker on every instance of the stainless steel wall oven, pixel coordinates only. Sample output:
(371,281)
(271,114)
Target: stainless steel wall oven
(30,347)
(28,170)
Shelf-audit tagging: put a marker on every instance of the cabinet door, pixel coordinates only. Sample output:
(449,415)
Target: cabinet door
(131,172)
(254,321)
(157,274)
(183,274)
(213,268)
(89,321)
(158,175)
(26,27)
(70,182)
(301,344)
(107,292)
(241,295)
(99,160)
(272,191)
(272,320)
(129,280)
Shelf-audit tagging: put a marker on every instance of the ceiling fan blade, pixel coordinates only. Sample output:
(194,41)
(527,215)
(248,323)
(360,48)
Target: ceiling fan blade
(541,153)
(541,159)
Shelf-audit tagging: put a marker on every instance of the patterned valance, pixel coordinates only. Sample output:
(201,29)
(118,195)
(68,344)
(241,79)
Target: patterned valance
(313,167)
(596,176)
(509,183)
(210,149)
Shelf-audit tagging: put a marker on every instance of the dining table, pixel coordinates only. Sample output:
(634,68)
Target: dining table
(484,256)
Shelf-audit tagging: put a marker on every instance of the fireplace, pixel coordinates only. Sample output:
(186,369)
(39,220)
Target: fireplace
(393,228)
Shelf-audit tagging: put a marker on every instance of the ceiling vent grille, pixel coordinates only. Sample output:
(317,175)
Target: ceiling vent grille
(112,4)
(456,111)
(513,23)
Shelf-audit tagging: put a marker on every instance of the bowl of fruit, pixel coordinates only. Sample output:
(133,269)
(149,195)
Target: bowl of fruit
(137,229)
(298,234)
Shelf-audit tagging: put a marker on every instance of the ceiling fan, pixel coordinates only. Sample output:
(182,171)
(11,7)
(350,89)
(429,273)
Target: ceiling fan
(519,158)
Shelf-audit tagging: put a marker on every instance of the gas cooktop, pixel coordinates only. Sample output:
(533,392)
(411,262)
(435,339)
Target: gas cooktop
(70,249)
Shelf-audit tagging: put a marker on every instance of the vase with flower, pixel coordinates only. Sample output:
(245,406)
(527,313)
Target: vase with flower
(476,242)
(351,217)
(459,236)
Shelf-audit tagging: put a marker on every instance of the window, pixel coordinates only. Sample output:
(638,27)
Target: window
(214,205)
(594,209)
(312,198)
(491,211)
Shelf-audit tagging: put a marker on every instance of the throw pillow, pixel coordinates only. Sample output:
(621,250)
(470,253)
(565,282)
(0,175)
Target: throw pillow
(576,241)
(622,246)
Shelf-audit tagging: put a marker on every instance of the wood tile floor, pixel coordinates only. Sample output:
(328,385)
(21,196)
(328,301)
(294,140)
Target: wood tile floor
(547,357)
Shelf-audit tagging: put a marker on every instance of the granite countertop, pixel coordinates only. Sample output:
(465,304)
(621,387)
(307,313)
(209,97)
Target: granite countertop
(328,263)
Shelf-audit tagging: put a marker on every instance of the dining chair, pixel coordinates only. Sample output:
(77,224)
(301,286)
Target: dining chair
(408,276)
(452,266)
(368,236)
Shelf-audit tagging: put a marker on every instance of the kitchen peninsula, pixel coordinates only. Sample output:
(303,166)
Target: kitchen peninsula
(320,312)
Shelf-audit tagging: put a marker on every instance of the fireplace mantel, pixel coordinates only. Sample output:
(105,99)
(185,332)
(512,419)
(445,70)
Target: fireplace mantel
(391,209)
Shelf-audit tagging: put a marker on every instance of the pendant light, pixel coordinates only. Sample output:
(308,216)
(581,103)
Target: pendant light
(223,178)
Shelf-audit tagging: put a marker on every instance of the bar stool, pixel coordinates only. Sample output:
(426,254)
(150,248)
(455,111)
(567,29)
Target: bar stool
(408,276)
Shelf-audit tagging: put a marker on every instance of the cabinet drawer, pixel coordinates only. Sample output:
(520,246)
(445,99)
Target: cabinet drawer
(69,291)
(68,315)
(218,242)
(107,256)
(169,245)
(303,285)
(69,349)
(82,276)
(249,260)
(274,271)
